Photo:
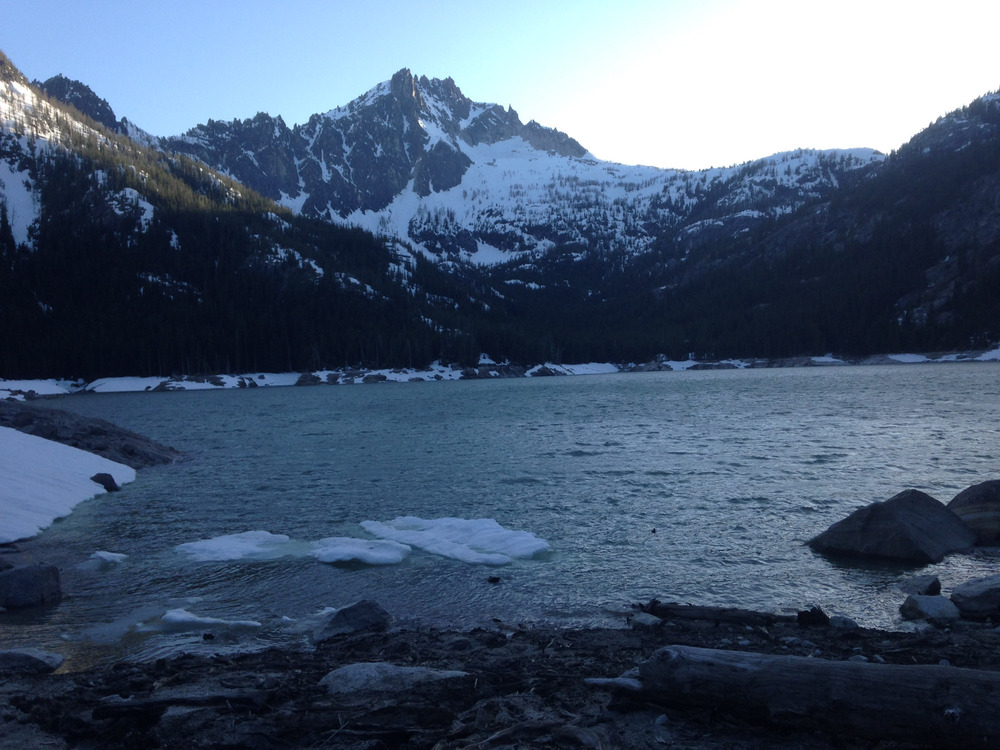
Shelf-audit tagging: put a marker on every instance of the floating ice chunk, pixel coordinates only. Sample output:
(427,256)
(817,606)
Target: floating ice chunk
(102,561)
(480,540)
(180,620)
(109,557)
(263,545)
(260,545)
(372,551)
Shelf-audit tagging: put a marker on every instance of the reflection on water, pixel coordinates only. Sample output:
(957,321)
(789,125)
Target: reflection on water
(735,471)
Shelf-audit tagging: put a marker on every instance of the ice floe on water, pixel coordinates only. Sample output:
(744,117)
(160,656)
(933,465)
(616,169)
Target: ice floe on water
(371,551)
(109,557)
(180,621)
(263,545)
(254,545)
(479,541)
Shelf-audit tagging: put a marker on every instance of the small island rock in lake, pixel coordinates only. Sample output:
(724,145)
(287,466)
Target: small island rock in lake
(910,527)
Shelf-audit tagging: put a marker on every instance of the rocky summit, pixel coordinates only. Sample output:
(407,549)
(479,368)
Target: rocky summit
(418,160)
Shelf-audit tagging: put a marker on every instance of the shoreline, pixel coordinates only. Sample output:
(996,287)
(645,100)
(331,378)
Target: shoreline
(487,369)
(522,686)
(519,687)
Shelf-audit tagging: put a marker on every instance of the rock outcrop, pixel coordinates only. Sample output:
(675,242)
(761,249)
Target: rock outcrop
(935,609)
(29,586)
(364,616)
(86,433)
(979,507)
(979,598)
(28,661)
(910,527)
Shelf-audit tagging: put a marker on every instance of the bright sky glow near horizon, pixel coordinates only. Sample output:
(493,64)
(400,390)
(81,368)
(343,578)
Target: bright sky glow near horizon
(668,83)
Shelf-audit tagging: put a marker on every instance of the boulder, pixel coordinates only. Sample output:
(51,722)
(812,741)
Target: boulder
(644,621)
(365,615)
(28,661)
(29,586)
(910,527)
(840,622)
(383,677)
(813,617)
(935,609)
(106,481)
(979,598)
(979,507)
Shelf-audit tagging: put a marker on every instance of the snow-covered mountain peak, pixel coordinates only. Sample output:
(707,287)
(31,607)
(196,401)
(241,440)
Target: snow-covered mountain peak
(416,160)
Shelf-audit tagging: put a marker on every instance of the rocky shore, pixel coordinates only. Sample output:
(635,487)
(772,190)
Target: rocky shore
(86,433)
(507,687)
(370,685)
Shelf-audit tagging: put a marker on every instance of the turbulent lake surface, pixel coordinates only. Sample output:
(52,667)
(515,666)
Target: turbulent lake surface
(698,487)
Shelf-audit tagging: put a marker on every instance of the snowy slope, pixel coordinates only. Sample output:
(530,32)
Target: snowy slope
(516,199)
(29,125)
(459,181)
(41,481)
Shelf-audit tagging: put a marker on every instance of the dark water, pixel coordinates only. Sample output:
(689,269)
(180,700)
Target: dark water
(733,470)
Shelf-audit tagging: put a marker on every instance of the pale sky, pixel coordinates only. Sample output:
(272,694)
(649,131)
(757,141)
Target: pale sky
(675,83)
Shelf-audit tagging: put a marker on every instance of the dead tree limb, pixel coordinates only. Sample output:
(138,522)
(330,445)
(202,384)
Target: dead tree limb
(931,705)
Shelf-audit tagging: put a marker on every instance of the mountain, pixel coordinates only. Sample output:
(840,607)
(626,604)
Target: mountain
(116,258)
(416,160)
(82,97)
(415,224)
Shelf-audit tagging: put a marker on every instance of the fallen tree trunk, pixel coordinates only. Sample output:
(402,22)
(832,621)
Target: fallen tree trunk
(932,705)
(666,611)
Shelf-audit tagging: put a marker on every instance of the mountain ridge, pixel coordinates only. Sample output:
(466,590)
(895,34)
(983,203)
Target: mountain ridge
(485,234)
(361,163)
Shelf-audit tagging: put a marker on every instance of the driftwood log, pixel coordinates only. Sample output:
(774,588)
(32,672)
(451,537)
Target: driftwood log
(667,611)
(932,705)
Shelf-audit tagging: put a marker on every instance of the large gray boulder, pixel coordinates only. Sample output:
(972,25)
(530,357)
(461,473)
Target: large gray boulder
(28,661)
(979,507)
(979,598)
(29,586)
(362,616)
(935,609)
(910,527)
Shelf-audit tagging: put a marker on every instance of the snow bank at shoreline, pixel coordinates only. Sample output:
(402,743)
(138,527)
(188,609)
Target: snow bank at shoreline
(486,369)
(41,480)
